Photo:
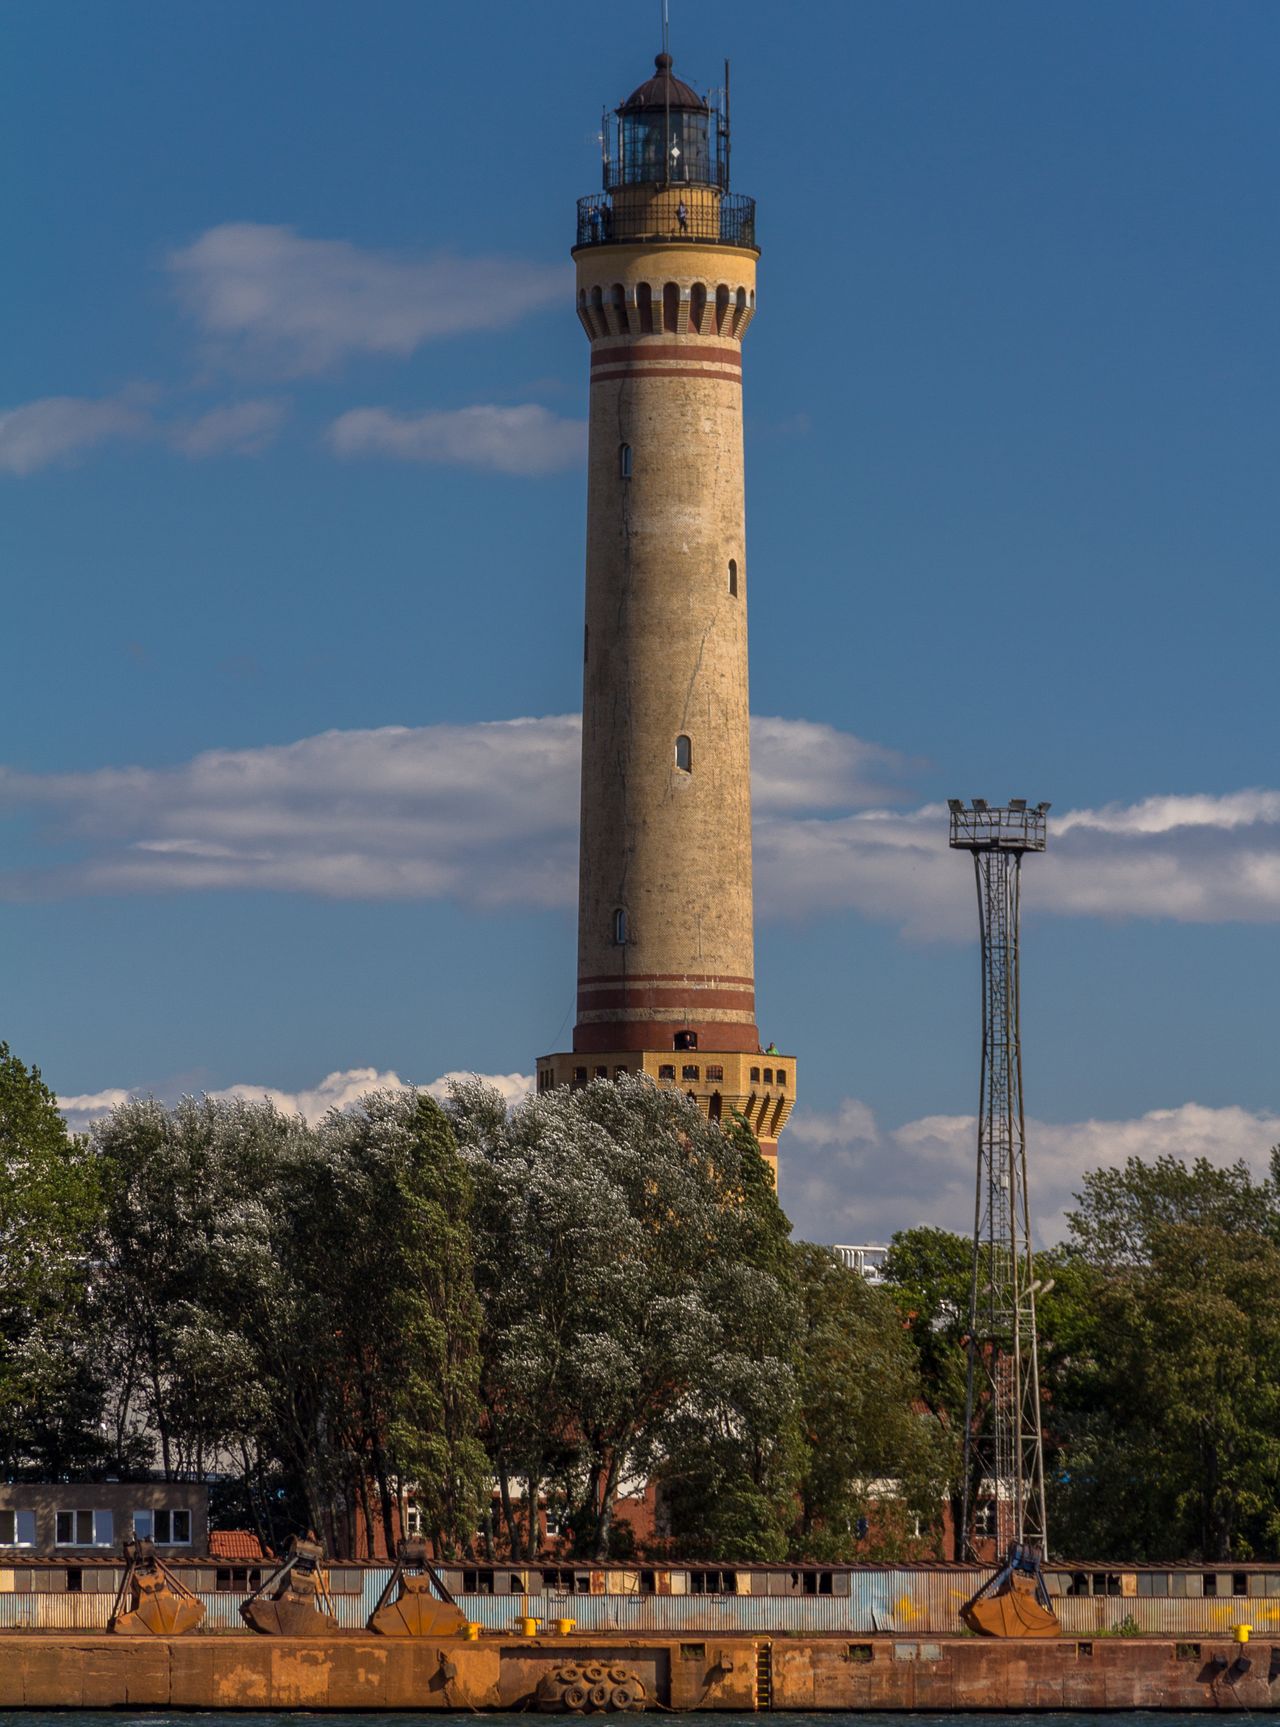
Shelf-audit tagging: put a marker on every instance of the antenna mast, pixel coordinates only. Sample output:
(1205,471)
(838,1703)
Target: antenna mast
(666,36)
(1003,1449)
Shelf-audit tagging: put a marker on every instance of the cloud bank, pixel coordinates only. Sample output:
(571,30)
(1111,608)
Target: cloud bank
(58,429)
(844,1178)
(527,439)
(486,815)
(336,1091)
(269,297)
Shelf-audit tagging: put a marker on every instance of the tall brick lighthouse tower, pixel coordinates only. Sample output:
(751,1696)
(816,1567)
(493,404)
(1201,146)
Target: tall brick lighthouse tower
(666,287)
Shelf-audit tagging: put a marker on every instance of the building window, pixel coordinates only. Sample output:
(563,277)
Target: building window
(733,576)
(685,1040)
(689,1072)
(624,461)
(602,1073)
(713,1583)
(83,1529)
(715,1073)
(755,1076)
(579,1076)
(781,1076)
(478,1582)
(667,1070)
(546,1079)
(17,1528)
(620,928)
(237,1579)
(684,754)
(768,1076)
(619,1070)
(167,1528)
(715,1109)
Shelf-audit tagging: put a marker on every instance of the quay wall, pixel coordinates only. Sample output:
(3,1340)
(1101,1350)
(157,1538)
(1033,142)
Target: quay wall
(63,1671)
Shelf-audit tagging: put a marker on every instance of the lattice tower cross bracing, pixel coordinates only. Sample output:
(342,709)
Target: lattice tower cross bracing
(1004,1453)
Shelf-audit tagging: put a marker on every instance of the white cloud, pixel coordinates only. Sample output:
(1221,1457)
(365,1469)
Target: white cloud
(240,429)
(336,1091)
(526,439)
(268,295)
(845,1178)
(803,765)
(487,814)
(80,1111)
(481,813)
(60,428)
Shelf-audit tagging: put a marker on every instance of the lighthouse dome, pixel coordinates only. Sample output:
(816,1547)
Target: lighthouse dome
(663,90)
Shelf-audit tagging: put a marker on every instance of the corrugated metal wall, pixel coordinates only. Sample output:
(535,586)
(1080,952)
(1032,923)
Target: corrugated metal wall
(903,1601)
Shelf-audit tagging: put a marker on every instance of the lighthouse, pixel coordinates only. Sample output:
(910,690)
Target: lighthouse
(666,290)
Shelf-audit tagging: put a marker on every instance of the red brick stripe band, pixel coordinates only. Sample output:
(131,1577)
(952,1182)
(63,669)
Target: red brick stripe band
(649,996)
(666,372)
(619,1036)
(665,351)
(690,977)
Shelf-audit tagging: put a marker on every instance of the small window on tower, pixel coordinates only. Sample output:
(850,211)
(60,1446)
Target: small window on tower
(624,461)
(733,576)
(689,1070)
(667,1070)
(619,928)
(684,754)
(602,1073)
(755,1076)
(768,1076)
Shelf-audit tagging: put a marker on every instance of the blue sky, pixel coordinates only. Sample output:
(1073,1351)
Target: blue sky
(290,453)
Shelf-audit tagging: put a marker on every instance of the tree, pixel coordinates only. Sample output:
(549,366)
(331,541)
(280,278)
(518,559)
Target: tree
(631,1263)
(928,1274)
(863,1420)
(1167,1412)
(382,1211)
(50,1377)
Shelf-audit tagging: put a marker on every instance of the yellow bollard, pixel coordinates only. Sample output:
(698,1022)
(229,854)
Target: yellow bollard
(473,1633)
(565,1626)
(528,1627)
(1242,1633)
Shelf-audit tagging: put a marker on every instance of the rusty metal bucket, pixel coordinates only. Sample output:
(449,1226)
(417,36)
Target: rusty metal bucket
(157,1612)
(1013,1611)
(418,1613)
(288,1617)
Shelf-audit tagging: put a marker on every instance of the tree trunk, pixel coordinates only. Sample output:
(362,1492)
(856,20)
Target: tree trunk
(513,1534)
(531,1488)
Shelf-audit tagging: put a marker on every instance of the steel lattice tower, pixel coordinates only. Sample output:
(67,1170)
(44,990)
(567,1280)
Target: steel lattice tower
(1004,1455)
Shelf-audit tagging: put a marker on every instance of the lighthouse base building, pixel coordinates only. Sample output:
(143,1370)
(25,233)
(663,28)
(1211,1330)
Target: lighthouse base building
(666,290)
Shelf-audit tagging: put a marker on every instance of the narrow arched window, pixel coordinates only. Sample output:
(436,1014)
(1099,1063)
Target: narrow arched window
(684,754)
(671,308)
(644,305)
(624,461)
(620,928)
(733,576)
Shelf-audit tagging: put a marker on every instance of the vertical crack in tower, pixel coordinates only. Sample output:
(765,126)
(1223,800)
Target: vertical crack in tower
(666,289)
(1003,1496)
